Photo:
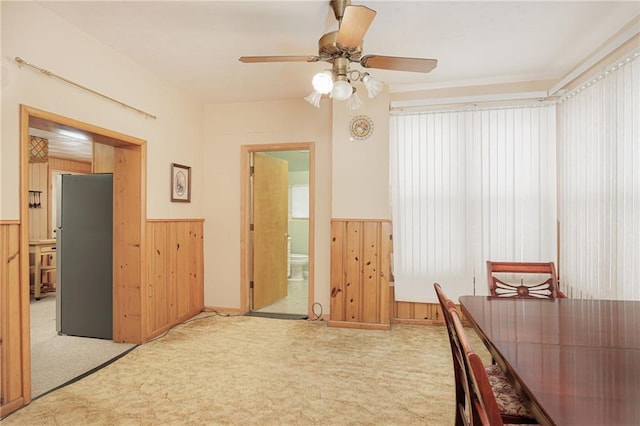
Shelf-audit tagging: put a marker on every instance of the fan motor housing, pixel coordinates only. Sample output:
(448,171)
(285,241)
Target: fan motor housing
(329,49)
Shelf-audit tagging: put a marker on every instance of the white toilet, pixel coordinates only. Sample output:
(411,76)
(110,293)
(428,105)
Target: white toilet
(297,263)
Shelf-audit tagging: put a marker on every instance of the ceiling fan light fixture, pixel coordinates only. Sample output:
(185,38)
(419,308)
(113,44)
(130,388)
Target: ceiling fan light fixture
(323,82)
(314,98)
(354,102)
(342,90)
(374,86)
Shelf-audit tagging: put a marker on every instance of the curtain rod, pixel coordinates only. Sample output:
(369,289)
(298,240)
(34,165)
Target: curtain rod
(21,62)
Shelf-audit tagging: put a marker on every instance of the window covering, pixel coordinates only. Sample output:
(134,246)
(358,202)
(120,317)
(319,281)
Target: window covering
(470,186)
(599,185)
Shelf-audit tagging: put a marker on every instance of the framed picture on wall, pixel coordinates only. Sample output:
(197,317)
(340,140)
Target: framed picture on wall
(180,183)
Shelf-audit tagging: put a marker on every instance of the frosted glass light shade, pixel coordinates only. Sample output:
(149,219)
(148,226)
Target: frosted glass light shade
(322,82)
(341,90)
(314,98)
(354,102)
(374,87)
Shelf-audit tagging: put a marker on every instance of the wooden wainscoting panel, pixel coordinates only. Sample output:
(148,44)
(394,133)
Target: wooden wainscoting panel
(419,313)
(182,270)
(370,276)
(337,273)
(195,260)
(385,253)
(175,288)
(353,283)
(172,269)
(360,251)
(156,286)
(11,321)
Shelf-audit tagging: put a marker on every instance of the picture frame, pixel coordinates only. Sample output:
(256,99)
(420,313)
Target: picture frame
(180,183)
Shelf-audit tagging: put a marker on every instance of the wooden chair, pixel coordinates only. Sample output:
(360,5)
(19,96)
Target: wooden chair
(483,407)
(500,287)
(458,367)
(511,407)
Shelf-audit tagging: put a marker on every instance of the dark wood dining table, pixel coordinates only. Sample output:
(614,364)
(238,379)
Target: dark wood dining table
(577,362)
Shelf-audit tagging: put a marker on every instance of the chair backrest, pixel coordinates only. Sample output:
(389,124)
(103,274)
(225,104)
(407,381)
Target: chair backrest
(482,405)
(500,287)
(461,381)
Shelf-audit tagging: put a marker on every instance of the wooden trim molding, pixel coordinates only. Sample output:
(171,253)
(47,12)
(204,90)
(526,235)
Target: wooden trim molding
(174,220)
(245,216)
(130,208)
(224,311)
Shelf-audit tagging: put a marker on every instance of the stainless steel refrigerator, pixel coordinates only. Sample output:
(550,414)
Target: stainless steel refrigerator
(84,246)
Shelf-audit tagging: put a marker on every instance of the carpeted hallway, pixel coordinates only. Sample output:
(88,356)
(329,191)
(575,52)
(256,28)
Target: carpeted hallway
(250,370)
(57,359)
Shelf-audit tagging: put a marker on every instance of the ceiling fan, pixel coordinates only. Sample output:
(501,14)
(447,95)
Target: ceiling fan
(343,47)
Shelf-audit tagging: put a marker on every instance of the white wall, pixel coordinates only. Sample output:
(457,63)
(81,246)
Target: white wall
(36,35)
(361,167)
(40,37)
(227,128)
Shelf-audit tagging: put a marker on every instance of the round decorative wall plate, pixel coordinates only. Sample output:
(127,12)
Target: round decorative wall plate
(361,127)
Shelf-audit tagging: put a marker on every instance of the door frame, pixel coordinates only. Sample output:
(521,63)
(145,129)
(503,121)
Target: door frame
(245,216)
(131,175)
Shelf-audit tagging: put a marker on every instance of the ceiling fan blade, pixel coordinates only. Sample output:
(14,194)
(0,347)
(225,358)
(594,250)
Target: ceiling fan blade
(398,63)
(355,23)
(257,59)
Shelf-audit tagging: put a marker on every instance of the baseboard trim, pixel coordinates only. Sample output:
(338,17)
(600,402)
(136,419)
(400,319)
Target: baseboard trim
(359,325)
(226,311)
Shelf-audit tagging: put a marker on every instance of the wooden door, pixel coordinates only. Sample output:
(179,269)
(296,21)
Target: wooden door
(270,227)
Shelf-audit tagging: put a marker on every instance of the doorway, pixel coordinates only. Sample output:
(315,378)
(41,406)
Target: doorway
(127,158)
(278,191)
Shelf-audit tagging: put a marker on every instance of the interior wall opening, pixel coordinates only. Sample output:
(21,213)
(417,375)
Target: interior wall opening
(49,358)
(278,198)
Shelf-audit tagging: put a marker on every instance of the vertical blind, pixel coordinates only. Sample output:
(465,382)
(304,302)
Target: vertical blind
(599,185)
(467,187)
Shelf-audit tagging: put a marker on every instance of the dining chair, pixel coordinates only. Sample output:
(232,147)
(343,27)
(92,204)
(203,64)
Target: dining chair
(501,286)
(459,373)
(483,405)
(510,404)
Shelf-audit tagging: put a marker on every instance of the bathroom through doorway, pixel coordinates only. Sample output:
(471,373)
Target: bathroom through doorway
(278,230)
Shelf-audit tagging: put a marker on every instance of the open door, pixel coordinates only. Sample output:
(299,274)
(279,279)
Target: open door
(270,229)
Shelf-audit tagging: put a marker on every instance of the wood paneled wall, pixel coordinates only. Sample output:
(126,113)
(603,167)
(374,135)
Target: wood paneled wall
(12,346)
(175,273)
(419,313)
(39,216)
(103,158)
(416,313)
(69,165)
(174,291)
(360,272)
(40,180)
(361,294)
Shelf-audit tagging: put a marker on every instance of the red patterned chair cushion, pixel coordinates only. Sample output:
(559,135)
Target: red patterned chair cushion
(507,396)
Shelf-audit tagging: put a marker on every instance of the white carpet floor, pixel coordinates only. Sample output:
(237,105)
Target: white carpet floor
(55,360)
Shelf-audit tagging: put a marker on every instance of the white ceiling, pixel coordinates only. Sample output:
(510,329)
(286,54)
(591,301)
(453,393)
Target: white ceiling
(195,45)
